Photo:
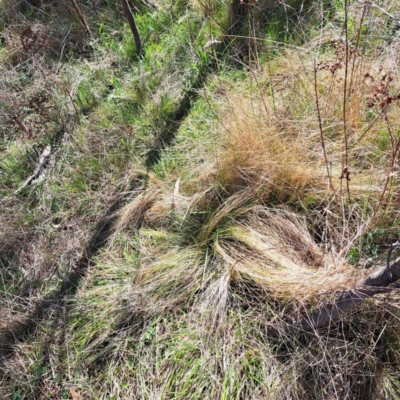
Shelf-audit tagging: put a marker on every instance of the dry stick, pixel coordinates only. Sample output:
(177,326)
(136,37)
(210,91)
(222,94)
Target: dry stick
(82,18)
(132,24)
(38,174)
(393,140)
(385,188)
(396,153)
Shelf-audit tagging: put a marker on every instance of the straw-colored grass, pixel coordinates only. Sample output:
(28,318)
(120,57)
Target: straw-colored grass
(183,281)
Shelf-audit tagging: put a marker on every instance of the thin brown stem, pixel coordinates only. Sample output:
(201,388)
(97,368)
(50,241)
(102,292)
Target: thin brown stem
(270,83)
(355,52)
(82,18)
(367,130)
(346,68)
(321,130)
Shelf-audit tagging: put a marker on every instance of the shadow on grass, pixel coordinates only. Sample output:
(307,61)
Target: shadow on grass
(176,118)
(53,309)
(52,305)
(19,330)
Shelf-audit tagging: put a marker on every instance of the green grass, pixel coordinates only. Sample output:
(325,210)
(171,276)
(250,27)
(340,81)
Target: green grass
(122,277)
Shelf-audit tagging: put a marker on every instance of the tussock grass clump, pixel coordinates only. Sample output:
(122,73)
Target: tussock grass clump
(257,155)
(298,150)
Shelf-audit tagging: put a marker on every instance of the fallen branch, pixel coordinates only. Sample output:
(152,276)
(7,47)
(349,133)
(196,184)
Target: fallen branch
(38,174)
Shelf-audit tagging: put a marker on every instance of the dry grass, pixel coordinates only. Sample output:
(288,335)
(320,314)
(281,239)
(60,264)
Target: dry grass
(270,157)
(187,289)
(256,155)
(133,214)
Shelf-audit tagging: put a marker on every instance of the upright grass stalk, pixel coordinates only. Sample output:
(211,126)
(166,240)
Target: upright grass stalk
(356,47)
(345,164)
(321,130)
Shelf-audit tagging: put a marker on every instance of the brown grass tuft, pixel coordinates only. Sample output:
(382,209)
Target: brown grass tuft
(133,214)
(257,155)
